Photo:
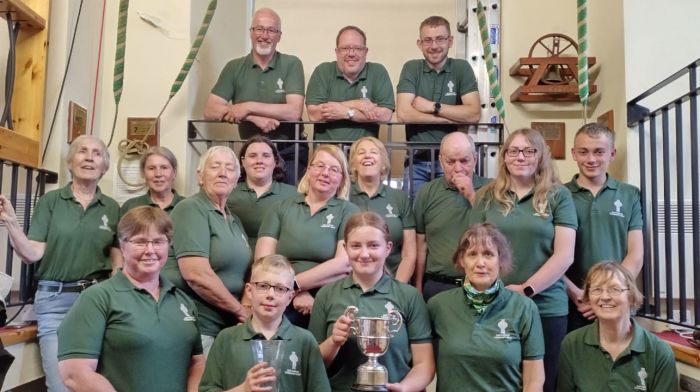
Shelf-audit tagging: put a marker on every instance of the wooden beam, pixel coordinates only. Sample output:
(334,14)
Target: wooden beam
(18,148)
(23,14)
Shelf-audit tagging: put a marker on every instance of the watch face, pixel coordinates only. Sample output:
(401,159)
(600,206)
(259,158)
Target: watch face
(529,291)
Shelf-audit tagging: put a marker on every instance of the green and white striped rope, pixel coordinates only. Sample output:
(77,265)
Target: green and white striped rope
(134,149)
(582,23)
(120,54)
(490,67)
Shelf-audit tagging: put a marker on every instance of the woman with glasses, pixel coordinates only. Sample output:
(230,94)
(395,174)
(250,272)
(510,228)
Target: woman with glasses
(614,353)
(488,337)
(369,166)
(409,357)
(528,204)
(260,188)
(210,249)
(308,228)
(135,331)
(73,237)
(159,169)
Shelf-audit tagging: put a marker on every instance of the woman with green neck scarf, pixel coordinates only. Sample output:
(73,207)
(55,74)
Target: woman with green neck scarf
(488,337)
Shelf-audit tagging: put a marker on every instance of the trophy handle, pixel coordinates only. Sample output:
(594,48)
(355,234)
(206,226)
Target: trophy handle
(351,312)
(395,321)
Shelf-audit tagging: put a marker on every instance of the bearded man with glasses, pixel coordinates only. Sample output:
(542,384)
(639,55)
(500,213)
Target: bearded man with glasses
(261,89)
(435,90)
(350,94)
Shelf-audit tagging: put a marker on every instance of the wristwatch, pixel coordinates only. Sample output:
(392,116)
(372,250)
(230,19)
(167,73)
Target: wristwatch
(529,291)
(436,108)
(351,113)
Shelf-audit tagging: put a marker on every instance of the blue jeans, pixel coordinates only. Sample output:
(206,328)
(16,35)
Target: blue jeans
(420,171)
(51,309)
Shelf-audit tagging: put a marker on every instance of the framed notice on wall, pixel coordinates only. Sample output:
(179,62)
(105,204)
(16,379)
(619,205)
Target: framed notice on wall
(554,134)
(77,121)
(138,127)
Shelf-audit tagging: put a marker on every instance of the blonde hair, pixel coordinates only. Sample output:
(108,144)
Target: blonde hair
(546,176)
(603,272)
(383,155)
(272,262)
(343,191)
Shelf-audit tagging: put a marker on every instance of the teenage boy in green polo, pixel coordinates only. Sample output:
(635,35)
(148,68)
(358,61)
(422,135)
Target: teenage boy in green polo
(231,366)
(609,217)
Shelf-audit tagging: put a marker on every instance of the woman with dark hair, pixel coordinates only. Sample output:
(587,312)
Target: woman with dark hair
(614,353)
(536,213)
(135,331)
(73,235)
(374,292)
(260,185)
(159,169)
(488,337)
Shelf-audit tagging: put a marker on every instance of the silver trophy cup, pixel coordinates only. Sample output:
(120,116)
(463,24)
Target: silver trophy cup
(373,334)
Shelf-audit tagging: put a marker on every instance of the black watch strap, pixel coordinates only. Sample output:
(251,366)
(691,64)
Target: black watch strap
(436,108)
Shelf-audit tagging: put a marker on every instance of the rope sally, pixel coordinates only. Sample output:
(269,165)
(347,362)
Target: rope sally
(493,79)
(133,149)
(582,23)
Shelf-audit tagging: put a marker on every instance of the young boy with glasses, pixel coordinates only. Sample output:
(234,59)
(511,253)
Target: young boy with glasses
(231,365)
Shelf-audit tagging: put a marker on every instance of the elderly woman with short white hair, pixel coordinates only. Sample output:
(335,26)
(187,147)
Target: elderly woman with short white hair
(210,249)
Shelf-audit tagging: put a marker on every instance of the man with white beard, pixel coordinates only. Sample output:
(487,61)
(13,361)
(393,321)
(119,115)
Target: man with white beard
(261,89)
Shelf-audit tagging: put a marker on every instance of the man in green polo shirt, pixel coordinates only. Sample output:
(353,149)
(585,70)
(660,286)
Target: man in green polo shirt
(609,217)
(437,90)
(350,94)
(263,88)
(442,208)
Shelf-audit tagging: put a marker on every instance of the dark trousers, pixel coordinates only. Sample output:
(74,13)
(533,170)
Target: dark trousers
(433,287)
(576,319)
(287,154)
(554,330)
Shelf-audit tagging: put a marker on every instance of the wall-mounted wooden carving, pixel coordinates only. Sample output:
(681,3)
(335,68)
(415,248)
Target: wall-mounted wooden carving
(551,71)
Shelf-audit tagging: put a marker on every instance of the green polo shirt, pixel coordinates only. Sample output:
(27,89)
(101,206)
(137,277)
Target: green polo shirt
(331,302)
(78,241)
(484,351)
(604,221)
(447,86)
(395,207)
(441,214)
(250,208)
(243,80)
(141,344)
(306,240)
(230,358)
(201,230)
(647,364)
(327,84)
(145,200)
(531,238)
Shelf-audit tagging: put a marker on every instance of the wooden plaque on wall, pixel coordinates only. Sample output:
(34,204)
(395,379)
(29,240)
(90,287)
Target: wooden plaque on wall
(137,127)
(554,134)
(77,121)
(608,119)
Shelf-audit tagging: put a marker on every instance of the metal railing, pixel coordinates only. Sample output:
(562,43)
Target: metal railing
(668,161)
(485,135)
(13,178)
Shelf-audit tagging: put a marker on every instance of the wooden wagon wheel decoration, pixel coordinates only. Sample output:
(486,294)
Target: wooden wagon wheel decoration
(555,45)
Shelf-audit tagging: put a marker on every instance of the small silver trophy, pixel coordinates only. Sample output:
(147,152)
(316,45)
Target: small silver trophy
(373,334)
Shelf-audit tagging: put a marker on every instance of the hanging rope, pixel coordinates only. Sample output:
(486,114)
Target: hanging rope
(491,68)
(97,69)
(131,150)
(582,22)
(118,83)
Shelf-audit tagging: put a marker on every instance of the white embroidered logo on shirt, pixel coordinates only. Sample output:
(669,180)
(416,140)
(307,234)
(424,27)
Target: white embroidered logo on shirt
(617,212)
(105,223)
(451,87)
(364,92)
(294,359)
(642,374)
(389,307)
(390,212)
(186,312)
(280,86)
(502,334)
(329,219)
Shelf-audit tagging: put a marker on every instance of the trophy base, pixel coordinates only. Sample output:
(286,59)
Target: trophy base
(368,388)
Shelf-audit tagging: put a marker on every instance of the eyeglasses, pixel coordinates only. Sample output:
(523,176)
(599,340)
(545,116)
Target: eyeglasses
(348,49)
(613,291)
(528,152)
(143,244)
(320,168)
(264,287)
(259,30)
(438,40)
